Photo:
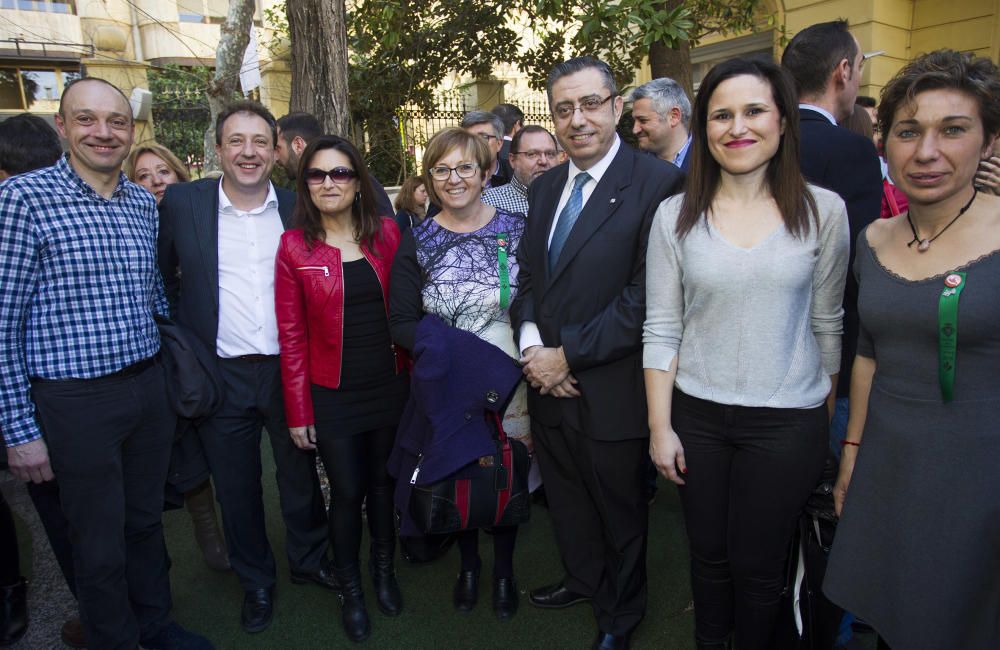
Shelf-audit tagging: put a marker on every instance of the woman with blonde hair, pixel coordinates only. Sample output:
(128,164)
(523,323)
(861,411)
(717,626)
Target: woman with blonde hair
(155,167)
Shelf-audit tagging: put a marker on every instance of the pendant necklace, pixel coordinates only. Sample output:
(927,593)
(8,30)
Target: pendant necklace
(924,244)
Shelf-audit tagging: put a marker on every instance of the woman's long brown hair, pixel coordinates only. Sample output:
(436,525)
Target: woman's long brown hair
(367,223)
(784,178)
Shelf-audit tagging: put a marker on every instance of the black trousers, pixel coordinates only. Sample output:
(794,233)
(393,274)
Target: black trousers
(596,494)
(356,468)
(10,556)
(45,497)
(109,443)
(750,472)
(231,439)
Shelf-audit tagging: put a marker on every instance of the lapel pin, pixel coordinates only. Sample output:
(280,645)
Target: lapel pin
(613,200)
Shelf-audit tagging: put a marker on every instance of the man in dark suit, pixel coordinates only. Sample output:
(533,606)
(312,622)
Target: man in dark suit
(826,60)
(217,246)
(578,315)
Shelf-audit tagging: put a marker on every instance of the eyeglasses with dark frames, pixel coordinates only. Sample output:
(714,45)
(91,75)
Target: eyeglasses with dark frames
(550,154)
(443,173)
(316,176)
(587,105)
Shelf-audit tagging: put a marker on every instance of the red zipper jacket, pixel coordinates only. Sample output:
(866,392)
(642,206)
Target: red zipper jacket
(309,304)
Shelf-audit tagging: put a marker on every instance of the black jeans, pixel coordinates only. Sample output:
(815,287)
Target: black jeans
(231,439)
(10,557)
(109,443)
(45,496)
(356,468)
(750,471)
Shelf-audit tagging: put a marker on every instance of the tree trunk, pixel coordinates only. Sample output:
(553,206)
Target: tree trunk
(673,62)
(318,30)
(235,35)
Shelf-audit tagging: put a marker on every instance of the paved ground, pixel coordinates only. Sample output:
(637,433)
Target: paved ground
(49,601)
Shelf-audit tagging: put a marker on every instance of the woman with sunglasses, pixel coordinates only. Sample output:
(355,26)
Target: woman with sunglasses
(460,265)
(344,385)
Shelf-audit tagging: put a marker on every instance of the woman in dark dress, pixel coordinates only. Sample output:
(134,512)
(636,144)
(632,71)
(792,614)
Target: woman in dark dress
(451,266)
(917,552)
(344,385)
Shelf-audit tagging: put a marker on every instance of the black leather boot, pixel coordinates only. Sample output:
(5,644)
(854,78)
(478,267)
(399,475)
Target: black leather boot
(353,613)
(13,612)
(200,502)
(387,594)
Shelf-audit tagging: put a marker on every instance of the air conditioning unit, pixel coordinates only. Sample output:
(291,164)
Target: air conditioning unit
(142,103)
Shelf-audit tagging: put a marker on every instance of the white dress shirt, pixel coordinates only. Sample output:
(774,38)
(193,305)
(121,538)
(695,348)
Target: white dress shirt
(530,335)
(822,111)
(248,243)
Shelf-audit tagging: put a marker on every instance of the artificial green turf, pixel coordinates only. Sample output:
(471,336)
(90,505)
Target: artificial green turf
(308,617)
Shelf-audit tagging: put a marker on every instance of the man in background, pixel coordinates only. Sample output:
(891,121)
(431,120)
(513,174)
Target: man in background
(533,152)
(489,127)
(661,112)
(513,121)
(825,60)
(295,132)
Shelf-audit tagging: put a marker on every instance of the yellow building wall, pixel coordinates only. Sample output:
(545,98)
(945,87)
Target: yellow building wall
(966,25)
(904,29)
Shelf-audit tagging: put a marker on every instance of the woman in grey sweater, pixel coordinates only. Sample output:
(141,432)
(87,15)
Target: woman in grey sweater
(745,278)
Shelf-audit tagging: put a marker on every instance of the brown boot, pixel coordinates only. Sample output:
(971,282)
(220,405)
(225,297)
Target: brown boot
(200,503)
(72,633)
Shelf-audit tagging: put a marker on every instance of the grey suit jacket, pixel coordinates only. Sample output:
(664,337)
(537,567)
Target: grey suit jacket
(188,249)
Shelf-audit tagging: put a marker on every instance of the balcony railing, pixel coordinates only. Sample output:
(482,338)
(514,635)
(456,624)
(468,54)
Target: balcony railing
(50,6)
(22,47)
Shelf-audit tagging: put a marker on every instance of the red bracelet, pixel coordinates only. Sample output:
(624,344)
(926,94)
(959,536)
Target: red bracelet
(848,442)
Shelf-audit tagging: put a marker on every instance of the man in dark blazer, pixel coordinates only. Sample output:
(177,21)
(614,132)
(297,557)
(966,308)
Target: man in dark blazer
(217,244)
(578,316)
(826,60)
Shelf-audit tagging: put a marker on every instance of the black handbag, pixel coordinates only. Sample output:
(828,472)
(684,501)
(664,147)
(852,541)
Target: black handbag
(492,491)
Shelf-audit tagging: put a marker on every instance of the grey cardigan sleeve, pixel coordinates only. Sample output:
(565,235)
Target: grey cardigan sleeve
(664,327)
(829,275)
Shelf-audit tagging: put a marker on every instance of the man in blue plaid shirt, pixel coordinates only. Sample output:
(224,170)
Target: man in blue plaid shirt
(82,396)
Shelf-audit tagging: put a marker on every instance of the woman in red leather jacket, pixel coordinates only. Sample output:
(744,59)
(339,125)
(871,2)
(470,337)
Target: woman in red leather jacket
(344,385)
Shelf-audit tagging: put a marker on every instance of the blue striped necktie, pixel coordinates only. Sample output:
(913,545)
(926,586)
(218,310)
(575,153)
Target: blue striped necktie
(567,218)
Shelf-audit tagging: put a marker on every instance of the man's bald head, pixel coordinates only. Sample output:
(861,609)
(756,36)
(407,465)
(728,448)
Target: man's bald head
(68,92)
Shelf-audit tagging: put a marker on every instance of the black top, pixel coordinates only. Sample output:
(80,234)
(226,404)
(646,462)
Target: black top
(371,394)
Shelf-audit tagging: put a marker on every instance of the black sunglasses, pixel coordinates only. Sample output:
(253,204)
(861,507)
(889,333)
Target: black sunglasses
(315,176)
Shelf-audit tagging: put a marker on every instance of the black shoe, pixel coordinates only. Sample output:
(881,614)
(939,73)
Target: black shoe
(13,612)
(324,578)
(383,571)
(258,607)
(555,596)
(353,613)
(505,598)
(174,637)
(606,641)
(466,592)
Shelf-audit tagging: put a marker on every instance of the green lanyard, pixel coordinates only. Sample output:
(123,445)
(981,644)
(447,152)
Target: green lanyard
(948,332)
(504,272)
